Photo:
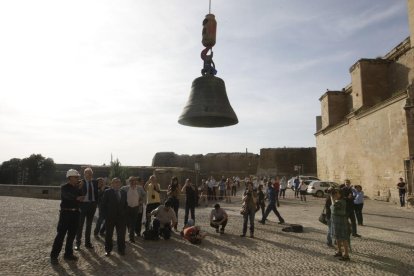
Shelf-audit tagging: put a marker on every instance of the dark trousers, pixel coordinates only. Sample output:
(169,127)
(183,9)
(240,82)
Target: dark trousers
(233,190)
(223,224)
(214,196)
(87,211)
(402,197)
(189,208)
(358,213)
(175,205)
(120,225)
(351,216)
(272,207)
(249,216)
(67,226)
(261,206)
(210,193)
(282,193)
(100,224)
(296,192)
(221,194)
(150,207)
(164,231)
(138,224)
(132,218)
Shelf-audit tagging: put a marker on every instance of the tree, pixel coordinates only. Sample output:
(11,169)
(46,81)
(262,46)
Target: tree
(9,171)
(117,170)
(40,170)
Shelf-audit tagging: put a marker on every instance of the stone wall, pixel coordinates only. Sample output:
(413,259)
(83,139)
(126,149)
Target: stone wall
(45,192)
(282,161)
(215,164)
(369,149)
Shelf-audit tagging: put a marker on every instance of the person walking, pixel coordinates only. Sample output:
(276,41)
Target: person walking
(190,200)
(249,201)
(401,186)
(115,209)
(71,196)
(87,208)
(260,200)
(271,195)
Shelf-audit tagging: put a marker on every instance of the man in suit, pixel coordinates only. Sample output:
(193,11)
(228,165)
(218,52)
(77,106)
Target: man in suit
(114,207)
(87,208)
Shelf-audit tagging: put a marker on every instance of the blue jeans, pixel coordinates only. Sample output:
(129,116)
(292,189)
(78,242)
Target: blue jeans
(249,216)
(272,207)
(402,197)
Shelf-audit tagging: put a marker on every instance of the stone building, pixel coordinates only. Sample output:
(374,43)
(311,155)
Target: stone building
(287,162)
(366,130)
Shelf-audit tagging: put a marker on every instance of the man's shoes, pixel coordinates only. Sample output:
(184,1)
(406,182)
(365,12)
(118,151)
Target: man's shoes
(356,235)
(221,231)
(89,245)
(54,260)
(217,230)
(121,252)
(261,221)
(131,240)
(329,245)
(243,235)
(108,254)
(251,235)
(70,258)
(338,254)
(281,222)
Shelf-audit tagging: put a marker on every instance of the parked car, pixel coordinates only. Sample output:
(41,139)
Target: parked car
(301,177)
(318,188)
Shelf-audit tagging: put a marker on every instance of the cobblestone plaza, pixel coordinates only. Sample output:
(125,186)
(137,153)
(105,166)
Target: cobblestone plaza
(386,247)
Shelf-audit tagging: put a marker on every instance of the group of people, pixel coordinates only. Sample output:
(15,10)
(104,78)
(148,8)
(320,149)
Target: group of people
(124,208)
(344,209)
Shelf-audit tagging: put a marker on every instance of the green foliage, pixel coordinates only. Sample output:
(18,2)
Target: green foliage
(33,170)
(117,170)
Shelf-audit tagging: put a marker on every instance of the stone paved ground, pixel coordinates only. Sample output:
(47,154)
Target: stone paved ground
(28,227)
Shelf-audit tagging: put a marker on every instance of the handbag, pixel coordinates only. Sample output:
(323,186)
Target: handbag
(322,217)
(243,210)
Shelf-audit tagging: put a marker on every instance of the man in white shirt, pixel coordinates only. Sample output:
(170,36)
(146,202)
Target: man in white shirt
(218,217)
(164,220)
(135,198)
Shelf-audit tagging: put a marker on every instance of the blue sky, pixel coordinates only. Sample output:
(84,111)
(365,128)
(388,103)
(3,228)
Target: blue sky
(80,80)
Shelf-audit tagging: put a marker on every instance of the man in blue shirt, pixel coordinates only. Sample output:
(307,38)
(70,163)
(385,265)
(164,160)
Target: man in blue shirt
(271,195)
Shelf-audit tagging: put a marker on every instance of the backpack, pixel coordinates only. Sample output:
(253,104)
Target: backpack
(296,228)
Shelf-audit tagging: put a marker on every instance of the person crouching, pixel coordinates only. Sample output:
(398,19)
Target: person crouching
(164,220)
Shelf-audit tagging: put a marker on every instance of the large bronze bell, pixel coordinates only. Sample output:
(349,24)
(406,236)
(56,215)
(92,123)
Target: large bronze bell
(208,105)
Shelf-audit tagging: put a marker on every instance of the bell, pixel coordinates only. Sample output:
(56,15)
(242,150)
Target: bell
(208,105)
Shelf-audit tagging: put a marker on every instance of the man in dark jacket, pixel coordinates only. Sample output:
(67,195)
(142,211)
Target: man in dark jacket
(87,208)
(114,207)
(68,218)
